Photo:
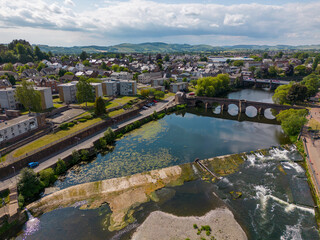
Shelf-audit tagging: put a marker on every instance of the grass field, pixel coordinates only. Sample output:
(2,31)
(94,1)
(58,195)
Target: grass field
(115,113)
(53,137)
(314,124)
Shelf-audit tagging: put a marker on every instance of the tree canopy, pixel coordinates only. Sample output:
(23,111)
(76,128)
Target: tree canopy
(292,120)
(84,91)
(99,106)
(28,96)
(213,86)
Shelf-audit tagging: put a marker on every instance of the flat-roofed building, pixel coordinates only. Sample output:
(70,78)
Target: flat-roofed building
(46,97)
(7,99)
(13,128)
(97,89)
(128,88)
(67,92)
(176,87)
(109,88)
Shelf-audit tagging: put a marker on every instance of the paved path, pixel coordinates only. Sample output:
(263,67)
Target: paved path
(87,142)
(313,150)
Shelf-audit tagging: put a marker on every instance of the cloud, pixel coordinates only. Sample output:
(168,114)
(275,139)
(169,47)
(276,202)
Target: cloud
(69,2)
(133,20)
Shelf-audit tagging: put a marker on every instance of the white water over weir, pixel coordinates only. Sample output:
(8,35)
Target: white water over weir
(32,225)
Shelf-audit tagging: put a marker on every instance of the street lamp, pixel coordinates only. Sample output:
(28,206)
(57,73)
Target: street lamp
(14,173)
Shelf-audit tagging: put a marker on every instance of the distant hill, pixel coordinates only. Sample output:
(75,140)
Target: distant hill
(159,47)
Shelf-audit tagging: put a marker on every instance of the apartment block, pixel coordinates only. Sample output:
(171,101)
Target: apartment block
(128,88)
(46,97)
(67,92)
(109,88)
(7,99)
(17,126)
(97,89)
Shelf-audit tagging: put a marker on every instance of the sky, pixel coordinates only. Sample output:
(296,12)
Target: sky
(109,22)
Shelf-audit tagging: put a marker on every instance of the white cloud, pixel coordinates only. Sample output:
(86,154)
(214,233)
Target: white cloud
(69,2)
(136,20)
(234,19)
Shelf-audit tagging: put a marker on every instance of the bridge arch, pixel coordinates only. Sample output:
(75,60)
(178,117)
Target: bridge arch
(270,113)
(233,109)
(251,111)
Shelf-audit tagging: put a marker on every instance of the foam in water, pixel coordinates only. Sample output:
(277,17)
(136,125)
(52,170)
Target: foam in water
(293,165)
(195,170)
(32,225)
(279,154)
(292,232)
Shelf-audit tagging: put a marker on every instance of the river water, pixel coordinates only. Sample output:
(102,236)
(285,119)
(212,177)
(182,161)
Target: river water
(276,201)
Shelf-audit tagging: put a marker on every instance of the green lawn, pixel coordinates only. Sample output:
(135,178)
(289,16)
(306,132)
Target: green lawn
(119,101)
(116,112)
(56,100)
(57,105)
(112,104)
(89,104)
(53,137)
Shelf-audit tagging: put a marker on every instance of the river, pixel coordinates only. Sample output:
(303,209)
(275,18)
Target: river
(275,204)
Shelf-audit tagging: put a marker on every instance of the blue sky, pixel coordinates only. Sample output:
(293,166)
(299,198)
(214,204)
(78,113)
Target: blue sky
(107,22)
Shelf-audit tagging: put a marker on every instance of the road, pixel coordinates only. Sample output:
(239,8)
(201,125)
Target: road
(86,142)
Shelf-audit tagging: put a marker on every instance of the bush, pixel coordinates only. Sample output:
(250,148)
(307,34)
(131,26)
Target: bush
(20,200)
(88,117)
(64,126)
(120,135)
(82,120)
(70,124)
(61,167)
(75,121)
(109,136)
(84,155)
(75,156)
(47,176)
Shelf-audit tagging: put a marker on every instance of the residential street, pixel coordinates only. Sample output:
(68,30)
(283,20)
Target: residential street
(87,142)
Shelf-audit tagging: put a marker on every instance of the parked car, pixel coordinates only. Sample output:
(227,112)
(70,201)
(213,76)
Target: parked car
(33,164)
(145,107)
(155,101)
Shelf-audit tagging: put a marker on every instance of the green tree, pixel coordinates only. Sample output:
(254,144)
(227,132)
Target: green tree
(292,120)
(68,73)
(99,106)
(29,184)
(75,156)
(8,67)
(47,176)
(28,97)
(115,68)
(84,91)
(166,58)
(11,79)
(272,71)
(61,167)
(145,93)
(280,94)
(40,66)
(300,70)
(213,86)
(109,136)
(159,94)
(252,69)
(297,93)
(315,63)
(238,63)
(61,72)
(38,54)
(103,65)
(312,82)
(86,63)
(83,55)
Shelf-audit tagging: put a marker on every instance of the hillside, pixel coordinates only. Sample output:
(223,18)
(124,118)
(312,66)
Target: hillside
(159,47)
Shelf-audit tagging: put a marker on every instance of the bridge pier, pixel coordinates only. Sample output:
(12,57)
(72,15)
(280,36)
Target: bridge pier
(242,106)
(261,111)
(224,107)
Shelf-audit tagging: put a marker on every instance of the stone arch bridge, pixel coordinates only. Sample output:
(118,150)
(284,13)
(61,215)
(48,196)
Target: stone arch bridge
(209,102)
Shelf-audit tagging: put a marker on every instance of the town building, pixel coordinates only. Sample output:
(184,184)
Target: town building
(122,75)
(67,92)
(18,126)
(109,88)
(176,87)
(147,77)
(97,89)
(46,97)
(128,88)
(7,99)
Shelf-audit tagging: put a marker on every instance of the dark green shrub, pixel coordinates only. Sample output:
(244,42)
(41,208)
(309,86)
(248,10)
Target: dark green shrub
(61,167)
(70,124)
(20,200)
(82,120)
(75,121)
(47,177)
(88,117)
(75,157)
(64,126)
(84,155)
